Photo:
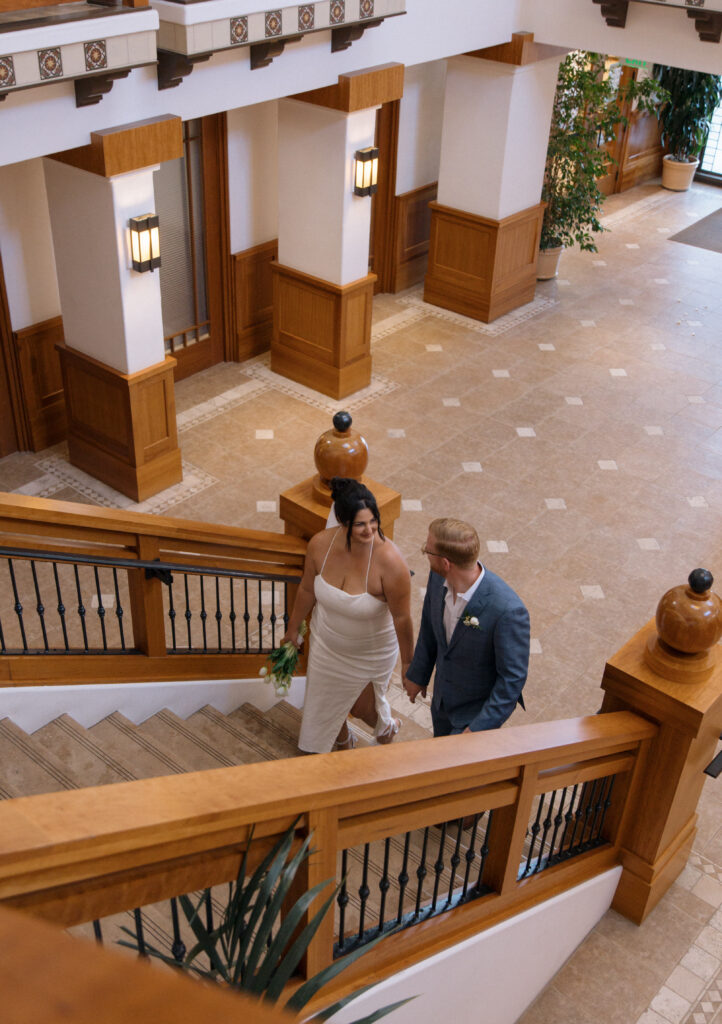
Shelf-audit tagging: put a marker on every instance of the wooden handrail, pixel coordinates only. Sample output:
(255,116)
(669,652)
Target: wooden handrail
(72,856)
(42,524)
(99,984)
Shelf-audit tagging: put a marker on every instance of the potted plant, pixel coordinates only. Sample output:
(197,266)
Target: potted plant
(685,117)
(586,114)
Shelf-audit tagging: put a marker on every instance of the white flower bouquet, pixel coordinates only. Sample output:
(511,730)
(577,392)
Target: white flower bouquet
(281,664)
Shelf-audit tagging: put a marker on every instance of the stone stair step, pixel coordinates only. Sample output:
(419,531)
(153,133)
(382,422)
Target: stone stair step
(130,745)
(187,743)
(28,766)
(246,734)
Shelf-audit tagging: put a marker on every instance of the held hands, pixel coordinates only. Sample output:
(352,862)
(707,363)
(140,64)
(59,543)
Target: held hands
(412,690)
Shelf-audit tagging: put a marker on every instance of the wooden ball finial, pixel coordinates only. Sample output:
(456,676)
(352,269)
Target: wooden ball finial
(340,451)
(689,624)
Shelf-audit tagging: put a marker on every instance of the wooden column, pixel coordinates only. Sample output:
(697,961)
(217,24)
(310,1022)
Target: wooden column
(122,427)
(661,825)
(481,267)
(322,331)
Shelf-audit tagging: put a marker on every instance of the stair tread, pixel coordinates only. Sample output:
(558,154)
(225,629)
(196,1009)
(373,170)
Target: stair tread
(28,767)
(126,742)
(246,733)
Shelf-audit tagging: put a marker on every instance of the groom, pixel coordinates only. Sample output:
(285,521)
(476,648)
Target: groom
(474,629)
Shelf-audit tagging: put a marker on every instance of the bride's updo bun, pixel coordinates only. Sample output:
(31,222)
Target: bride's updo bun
(350,497)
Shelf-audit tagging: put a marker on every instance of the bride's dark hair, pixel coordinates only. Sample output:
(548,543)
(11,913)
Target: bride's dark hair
(349,497)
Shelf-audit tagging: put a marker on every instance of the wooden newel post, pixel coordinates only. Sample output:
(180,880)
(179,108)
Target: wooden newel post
(339,451)
(670,672)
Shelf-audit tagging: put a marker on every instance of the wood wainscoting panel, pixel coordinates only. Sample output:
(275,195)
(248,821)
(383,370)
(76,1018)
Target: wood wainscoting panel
(642,152)
(253,299)
(322,331)
(41,381)
(122,427)
(412,231)
(481,267)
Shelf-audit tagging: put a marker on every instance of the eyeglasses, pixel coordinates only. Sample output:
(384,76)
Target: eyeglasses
(425,551)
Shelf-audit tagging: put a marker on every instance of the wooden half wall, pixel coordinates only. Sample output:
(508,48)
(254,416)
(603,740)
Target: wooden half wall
(252,283)
(41,382)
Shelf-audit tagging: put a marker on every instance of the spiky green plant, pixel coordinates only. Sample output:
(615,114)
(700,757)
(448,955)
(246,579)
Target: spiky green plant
(258,945)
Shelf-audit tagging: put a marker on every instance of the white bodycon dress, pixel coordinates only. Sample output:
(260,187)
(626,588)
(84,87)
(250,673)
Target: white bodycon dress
(353,642)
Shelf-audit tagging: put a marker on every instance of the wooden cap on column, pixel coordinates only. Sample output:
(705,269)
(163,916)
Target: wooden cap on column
(339,451)
(689,624)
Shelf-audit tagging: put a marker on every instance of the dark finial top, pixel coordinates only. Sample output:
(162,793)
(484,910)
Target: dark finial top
(342,421)
(700,580)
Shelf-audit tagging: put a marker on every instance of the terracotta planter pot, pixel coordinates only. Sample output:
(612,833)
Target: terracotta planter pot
(676,176)
(548,263)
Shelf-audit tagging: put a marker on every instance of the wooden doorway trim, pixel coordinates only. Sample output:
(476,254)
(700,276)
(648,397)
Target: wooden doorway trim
(216,210)
(383,212)
(14,434)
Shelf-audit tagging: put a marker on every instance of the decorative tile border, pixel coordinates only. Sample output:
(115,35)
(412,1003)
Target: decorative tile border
(50,63)
(239,30)
(337,12)
(396,322)
(306,17)
(259,368)
(274,23)
(7,72)
(190,418)
(505,323)
(96,55)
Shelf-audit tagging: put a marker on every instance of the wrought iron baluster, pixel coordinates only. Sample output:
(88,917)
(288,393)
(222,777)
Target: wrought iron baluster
(535,829)
(470,855)
(285,608)
(484,852)
(246,614)
(403,877)
(18,605)
(171,616)
(81,607)
(101,609)
(273,615)
(178,949)
(421,872)
(568,818)
(219,615)
(558,819)
(364,890)
(188,613)
(547,825)
(61,606)
(3,648)
(588,813)
(342,900)
(455,860)
(607,801)
(232,615)
(97,932)
(259,617)
(578,811)
(139,936)
(204,615)
(40,609)
(209,910)
(384,883)
(598,808)
(438,867)
(118,608)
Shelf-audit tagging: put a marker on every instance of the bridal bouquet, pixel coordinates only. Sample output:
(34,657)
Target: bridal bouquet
(281,664)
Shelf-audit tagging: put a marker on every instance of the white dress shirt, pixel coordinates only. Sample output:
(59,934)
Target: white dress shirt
(454,609)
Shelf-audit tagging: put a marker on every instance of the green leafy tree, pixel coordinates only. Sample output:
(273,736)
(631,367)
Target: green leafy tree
(260,940)
(587,112)
(685,116)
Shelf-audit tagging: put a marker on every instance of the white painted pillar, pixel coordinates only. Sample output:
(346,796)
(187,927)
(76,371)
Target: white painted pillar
(323,228)
(494,136)
(110,312)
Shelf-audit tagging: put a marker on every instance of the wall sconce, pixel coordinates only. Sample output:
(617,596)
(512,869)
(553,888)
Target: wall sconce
(144,242)
(365,171)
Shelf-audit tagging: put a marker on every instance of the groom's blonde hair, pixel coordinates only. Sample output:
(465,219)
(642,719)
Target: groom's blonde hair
(456,541)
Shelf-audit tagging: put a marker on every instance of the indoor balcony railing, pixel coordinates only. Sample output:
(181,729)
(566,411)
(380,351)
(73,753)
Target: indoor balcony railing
(172,598)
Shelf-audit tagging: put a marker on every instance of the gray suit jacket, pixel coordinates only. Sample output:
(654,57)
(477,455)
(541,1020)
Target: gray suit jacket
(481,671)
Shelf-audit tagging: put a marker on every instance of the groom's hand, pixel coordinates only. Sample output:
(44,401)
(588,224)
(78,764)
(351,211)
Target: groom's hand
(412,690)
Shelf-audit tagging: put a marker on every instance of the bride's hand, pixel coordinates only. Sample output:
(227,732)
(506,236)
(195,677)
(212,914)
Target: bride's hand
(292,636)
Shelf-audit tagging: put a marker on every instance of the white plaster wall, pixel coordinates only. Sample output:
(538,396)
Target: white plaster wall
(492,977)
(26,245)
(652,32)
(109,311)
(323,229)
(495,134)
(420,119)
(253,174)
(45,120)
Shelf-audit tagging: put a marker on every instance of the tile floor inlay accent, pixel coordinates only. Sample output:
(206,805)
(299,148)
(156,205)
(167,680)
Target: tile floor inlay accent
(592,592)
(213,407)
(607,464)
(497,547)
(500,374)
(505,323)
(259,369)
(471,467)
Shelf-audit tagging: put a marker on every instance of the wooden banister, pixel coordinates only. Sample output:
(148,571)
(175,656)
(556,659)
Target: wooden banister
(95,984)
(72,856)
(52,527)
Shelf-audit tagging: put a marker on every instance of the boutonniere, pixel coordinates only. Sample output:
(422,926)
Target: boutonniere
(472,621)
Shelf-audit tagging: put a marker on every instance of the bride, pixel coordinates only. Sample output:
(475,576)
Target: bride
(359,587)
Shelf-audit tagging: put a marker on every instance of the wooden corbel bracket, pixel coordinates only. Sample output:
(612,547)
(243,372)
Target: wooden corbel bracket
(174,67)
(708,24)
(91,90)
(263,53)
(614,12)
(343,35)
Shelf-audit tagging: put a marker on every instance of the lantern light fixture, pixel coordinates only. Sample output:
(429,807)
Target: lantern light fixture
(144,242)
(366,171)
